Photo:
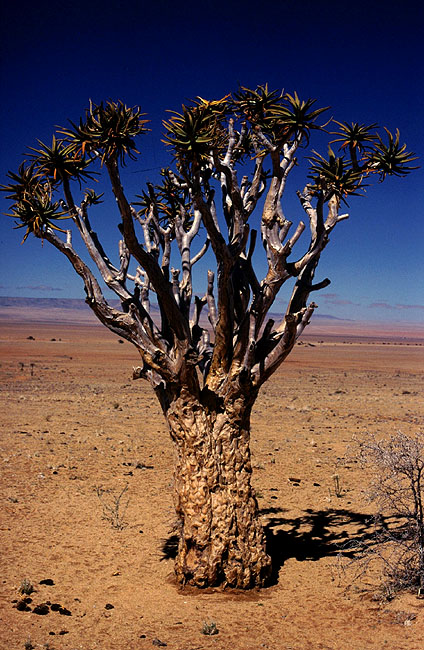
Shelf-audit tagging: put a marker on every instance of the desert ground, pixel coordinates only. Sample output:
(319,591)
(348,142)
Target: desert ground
(78,432)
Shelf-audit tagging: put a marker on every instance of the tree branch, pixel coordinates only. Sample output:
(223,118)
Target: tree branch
(160,284)
(213,318)
(114,278)
(267,366)
(127,325)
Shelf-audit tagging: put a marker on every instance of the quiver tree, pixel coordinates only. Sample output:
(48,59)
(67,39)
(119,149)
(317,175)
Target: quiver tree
(206,376)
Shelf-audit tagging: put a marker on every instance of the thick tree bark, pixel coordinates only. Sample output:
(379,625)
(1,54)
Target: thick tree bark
(221,537)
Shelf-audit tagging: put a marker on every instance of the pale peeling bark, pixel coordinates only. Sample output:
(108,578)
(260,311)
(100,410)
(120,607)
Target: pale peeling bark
(221,537)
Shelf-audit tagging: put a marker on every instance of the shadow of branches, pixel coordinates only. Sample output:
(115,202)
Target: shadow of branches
(169,547)
(315,534)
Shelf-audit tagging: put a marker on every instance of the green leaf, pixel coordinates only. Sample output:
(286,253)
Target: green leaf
(108,131)
(391,159)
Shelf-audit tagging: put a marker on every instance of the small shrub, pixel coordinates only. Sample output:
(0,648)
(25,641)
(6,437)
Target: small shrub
(398,491)
(26,587)
(338,490)
(209,629)
(113,508)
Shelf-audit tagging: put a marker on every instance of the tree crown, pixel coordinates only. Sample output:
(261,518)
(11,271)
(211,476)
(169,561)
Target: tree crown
(258,131)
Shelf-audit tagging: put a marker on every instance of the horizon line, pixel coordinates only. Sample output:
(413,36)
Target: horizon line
(316,316)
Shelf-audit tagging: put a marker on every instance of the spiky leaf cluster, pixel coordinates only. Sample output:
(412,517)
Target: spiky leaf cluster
(197,131)
(33,207)
(391,159)
(37,213)
(60,161)
(354,136)
(259,106)
(108,131)
(91,198)
(280,116)
(24,182)
(365,154)
(168,200)
(33,186)
(334,177)
(297,118)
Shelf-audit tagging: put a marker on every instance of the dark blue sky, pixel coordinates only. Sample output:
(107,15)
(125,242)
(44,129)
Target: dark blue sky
(362,58)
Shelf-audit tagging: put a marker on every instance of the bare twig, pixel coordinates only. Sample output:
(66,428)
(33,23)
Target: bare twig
(113,508)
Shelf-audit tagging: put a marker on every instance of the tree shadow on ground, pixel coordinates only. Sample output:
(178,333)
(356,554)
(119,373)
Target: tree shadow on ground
(314,535)
(169,547)
(310,537)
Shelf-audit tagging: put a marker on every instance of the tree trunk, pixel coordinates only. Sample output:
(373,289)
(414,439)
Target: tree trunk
(221,538)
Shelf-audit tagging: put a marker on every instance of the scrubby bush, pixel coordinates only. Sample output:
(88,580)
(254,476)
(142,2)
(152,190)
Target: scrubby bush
(397,489)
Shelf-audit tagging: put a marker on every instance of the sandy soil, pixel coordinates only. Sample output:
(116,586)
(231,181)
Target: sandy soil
(74,425)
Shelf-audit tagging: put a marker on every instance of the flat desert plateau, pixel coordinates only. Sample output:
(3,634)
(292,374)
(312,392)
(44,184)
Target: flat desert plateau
(77,431)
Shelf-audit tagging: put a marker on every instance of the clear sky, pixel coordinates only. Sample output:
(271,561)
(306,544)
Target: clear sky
(365,59)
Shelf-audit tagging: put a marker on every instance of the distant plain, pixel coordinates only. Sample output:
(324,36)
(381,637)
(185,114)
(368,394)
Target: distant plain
(74,421)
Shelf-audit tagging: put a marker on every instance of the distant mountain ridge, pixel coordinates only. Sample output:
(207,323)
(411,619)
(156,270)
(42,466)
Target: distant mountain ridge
(43,303)
(75,311)
(79,304)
